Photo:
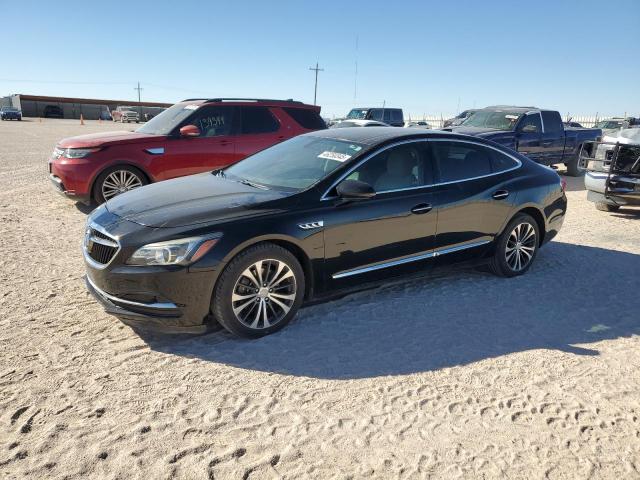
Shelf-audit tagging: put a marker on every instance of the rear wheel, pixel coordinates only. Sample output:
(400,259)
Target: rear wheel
(116,180)
(517,247)
(606,207)
(573,168)
(259,291)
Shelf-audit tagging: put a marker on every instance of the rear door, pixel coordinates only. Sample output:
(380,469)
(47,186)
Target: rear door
(258,129)
(553,137)
(214,148)
(529,136)
(473,197)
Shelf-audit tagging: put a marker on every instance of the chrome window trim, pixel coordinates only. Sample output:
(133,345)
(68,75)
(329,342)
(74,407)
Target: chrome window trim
(91,261)
(402,261)
(453,139)
(112,298)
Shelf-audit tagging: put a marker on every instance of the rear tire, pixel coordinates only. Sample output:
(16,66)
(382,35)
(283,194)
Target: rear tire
(606,207)
(517,247)
(120,177)
(259,291)
(572,166)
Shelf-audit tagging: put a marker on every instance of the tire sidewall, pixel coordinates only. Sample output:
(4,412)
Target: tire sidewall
(221,305)
(500,260)
(97,186)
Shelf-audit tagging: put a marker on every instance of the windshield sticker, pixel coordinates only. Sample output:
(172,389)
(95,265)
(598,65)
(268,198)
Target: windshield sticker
(339,157)
(356,148)
(511,117)
(191,107)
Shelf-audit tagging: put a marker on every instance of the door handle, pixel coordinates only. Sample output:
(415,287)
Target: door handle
(500,194)
(421,208)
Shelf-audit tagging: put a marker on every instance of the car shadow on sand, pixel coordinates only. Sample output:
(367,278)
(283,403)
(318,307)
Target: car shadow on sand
(572,297)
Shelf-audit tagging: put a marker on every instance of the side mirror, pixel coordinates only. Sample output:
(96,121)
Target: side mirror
(189,131)
(355,190)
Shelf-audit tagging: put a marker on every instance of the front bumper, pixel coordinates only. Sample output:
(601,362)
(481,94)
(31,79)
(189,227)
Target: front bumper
(623,190)
(60,188)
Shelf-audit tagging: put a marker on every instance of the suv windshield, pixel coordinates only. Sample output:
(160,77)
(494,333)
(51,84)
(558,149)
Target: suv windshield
(295,164)
(496,119)
(165,122)
(358,113)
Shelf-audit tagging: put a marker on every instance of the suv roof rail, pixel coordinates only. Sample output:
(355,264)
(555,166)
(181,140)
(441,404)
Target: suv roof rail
(288,100)
(511,106)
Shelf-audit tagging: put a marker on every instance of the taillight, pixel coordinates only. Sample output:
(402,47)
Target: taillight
(563,184)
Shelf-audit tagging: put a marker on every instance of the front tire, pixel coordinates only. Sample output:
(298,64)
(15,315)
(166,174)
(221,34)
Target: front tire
(573,170)
(516,247)
(116,180)
(259,291)
(606,207)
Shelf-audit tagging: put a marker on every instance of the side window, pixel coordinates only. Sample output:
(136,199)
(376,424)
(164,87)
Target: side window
(460,161)
(403,166)
(213,121)
(257,120)
(396,116)
(306,118)
(501,161)
(375,114)
(552,122)
(531,124)
(387,116)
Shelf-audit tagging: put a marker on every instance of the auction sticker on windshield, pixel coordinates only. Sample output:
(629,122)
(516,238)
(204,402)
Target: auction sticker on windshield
(339,157)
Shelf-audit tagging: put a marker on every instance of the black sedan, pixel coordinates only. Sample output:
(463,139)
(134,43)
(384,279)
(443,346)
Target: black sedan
(312,217)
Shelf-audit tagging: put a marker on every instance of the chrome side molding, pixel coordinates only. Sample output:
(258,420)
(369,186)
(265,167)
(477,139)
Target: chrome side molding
(402,261)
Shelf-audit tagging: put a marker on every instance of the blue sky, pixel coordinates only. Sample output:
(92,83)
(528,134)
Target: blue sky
(424,56)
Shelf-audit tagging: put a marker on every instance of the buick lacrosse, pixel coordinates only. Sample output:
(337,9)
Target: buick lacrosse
(317,215)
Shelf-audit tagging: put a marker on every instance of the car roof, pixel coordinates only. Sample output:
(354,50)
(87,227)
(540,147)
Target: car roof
(252,101)
(375,135)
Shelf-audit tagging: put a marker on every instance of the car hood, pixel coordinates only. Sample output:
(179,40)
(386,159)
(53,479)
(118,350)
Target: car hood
(476,131)
(106,138)
(196,199)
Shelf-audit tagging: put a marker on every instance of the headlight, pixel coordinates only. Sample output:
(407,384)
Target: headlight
(183,251)
(79,152)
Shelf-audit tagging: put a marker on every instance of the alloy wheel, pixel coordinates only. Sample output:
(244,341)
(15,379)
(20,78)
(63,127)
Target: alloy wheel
(119,182)
(521,245)
(264,294)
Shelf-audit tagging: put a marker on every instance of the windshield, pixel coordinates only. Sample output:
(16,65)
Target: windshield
(295,164)
(165,122)
(608,124)
(496,119)
(358,113)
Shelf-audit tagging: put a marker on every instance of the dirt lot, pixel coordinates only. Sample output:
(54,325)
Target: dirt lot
(463,375)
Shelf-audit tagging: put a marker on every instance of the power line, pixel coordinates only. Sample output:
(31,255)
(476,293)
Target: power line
(315,91)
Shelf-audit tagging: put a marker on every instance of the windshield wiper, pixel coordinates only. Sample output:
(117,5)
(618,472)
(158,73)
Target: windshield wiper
(244,181)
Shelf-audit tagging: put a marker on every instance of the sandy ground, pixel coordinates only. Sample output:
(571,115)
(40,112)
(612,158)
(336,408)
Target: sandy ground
(463,375)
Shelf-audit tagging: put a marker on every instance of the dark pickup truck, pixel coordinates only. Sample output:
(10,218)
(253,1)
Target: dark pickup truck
(538,134)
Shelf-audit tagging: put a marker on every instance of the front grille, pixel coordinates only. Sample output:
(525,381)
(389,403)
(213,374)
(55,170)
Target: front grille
(100,247)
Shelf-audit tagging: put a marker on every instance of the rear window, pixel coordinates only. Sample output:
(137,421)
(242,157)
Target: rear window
(257,120)
(461,160)
(306,118)
(552,122)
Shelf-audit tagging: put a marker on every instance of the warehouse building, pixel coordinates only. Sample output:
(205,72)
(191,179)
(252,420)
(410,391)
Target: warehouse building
(89,108)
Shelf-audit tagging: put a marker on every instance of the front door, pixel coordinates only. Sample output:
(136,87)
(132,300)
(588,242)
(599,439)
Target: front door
(529,137)
(213,148)
(387,235)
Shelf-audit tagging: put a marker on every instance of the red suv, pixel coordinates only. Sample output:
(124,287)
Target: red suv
(192,136)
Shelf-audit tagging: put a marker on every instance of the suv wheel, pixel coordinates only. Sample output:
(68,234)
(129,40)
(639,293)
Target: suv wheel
(116,180)
(517,247)
(259,291)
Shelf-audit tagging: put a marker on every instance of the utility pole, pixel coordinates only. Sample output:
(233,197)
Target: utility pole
(315,91)
(139,89)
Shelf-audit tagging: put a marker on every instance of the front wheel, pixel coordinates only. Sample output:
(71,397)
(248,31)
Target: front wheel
(116,180)
(517,247)
(573,166)
(259,291)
